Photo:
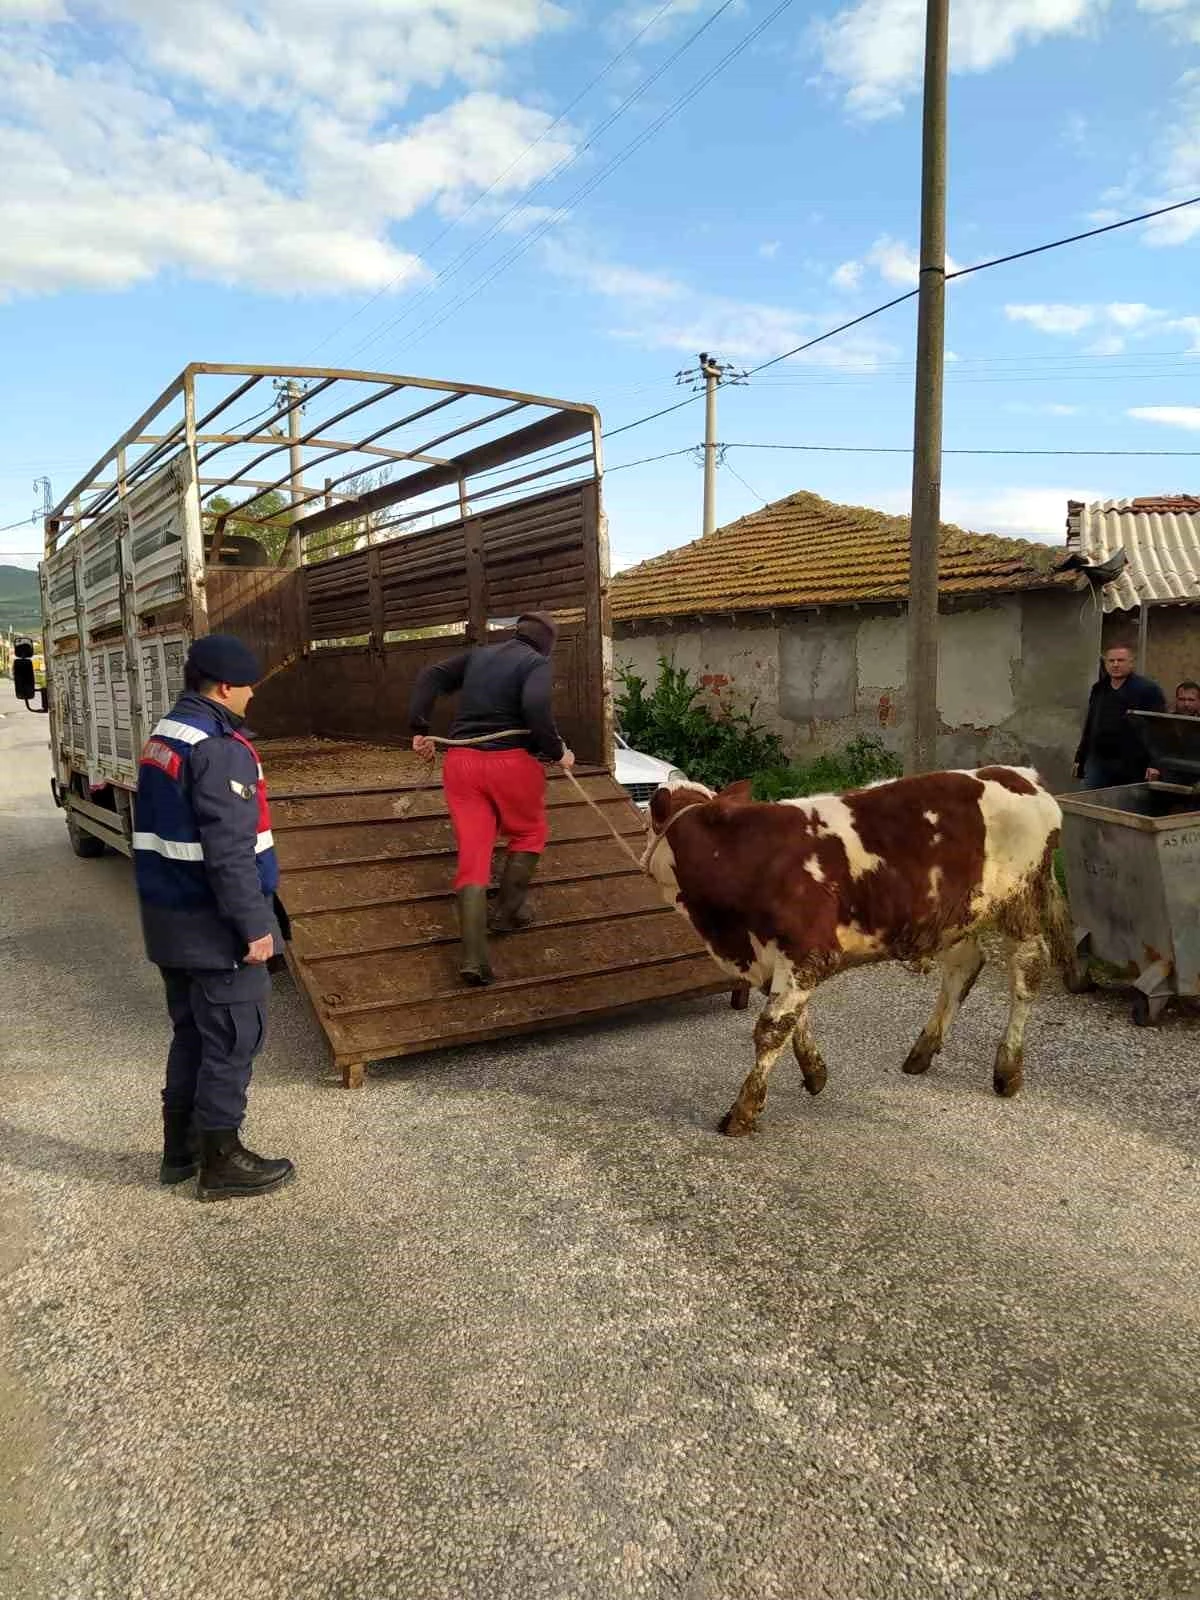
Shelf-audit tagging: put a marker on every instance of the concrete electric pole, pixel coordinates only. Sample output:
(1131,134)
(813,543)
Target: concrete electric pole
(927,418)
(292,390)
(712,374)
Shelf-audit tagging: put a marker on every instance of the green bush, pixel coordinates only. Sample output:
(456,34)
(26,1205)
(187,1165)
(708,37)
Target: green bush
(864,760)
(716,748)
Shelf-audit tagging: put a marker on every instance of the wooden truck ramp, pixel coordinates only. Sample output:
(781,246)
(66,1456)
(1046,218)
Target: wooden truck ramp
(368,859)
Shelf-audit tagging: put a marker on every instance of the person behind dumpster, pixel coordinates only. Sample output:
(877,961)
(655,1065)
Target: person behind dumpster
(1111,750)
(497,786)
(1187,704)
(211,919)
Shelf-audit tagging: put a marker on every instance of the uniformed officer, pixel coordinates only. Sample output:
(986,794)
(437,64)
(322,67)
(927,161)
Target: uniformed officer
(206,879)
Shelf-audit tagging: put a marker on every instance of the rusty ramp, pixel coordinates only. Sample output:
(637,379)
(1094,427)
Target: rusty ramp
(367,855)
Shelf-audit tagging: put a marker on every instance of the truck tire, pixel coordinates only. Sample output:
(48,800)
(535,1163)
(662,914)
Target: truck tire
(83,844)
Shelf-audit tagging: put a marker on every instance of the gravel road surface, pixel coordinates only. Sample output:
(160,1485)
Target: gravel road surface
(525,1326)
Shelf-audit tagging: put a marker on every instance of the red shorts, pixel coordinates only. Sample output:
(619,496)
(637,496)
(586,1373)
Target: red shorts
(490,792)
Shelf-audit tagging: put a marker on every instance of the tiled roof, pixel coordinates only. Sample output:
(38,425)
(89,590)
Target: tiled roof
(805,551)
(1159,534)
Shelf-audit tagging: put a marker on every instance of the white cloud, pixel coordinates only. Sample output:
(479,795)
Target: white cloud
(1049,408)
(116,170)
(1184,15)
(895,262)
(874,49)
(358,56)
(665,313)
(1169,416)
(1015,513)
(1053,318)
(769,249)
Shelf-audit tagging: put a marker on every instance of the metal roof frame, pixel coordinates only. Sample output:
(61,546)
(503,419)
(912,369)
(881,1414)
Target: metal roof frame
(138,452)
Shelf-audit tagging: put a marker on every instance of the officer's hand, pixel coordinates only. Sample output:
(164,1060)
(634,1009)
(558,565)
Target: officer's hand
(425,747)
(260,951)
(1152,774)
(567,760)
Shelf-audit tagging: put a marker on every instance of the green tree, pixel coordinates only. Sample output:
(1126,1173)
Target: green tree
(272,536)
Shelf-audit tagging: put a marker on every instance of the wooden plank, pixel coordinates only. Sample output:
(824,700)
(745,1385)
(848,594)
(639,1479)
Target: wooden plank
(540,955)
(386,804)
(420,922)
(382,882)
(495,1013)
(321,850)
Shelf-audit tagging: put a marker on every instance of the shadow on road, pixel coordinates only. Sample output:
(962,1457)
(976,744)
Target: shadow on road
(46,1152)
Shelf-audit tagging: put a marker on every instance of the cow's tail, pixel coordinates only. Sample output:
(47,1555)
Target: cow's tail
(1057,927)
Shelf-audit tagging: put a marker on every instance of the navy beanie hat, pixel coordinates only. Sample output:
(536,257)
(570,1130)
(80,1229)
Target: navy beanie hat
(221,658)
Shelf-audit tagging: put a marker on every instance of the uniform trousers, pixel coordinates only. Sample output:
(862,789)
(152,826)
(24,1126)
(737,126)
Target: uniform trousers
(220,1022)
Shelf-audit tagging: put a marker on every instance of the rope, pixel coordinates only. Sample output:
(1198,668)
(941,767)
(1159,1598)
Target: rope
(509,733)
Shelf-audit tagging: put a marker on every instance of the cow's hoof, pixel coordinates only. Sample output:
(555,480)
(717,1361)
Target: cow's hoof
(920,1059)
(734,1125)
(814,1082)
(1007,1084)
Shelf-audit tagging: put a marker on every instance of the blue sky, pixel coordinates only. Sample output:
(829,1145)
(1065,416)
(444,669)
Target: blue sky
(284,181)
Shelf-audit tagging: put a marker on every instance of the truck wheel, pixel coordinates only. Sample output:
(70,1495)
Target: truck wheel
(83,844)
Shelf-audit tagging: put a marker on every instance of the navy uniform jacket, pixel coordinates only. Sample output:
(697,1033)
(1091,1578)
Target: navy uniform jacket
(203,851)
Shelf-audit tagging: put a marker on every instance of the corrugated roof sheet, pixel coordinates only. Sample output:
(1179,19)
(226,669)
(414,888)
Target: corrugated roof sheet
(1161,536)
(805,551)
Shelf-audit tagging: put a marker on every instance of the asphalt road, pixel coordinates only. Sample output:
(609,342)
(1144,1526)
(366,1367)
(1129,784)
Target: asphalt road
(525,1326)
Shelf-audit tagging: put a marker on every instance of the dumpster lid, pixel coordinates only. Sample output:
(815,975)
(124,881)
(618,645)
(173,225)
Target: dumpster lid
(1173,741)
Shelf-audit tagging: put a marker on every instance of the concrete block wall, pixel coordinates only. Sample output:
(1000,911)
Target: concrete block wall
(1013,674)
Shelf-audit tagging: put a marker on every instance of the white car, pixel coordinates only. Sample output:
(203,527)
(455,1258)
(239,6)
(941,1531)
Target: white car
(641,775)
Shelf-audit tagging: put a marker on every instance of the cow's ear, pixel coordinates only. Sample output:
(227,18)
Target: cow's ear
(740,793)
(661,802)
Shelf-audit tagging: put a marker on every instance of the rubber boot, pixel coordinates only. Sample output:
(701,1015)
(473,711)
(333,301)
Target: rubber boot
(510,913)
(179,1147)
(472,923)
(228,1169)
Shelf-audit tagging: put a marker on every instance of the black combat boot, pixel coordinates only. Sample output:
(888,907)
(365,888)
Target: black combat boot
(179,1147)
(510,913)
(227,1168)
(472,922)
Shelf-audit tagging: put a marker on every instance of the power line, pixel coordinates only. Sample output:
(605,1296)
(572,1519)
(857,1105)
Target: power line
(500,176)
(623,466)
(588,188)
(563,166)
(854,322)
(735,474)
(906,449)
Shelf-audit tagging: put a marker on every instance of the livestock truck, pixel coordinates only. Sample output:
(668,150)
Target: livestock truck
(353,527)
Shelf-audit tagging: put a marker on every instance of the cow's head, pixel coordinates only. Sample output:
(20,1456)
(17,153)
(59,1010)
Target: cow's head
(671,801)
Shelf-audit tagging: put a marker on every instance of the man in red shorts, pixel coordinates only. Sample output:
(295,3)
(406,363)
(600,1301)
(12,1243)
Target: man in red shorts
(499,785)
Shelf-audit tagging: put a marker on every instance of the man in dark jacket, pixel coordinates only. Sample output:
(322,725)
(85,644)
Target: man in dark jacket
(1111,750)
(206,877)
(498,785)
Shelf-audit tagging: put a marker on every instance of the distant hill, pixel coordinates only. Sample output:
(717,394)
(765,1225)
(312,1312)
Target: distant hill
(20,603)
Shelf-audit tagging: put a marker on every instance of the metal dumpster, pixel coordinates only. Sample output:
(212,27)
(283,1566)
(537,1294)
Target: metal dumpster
(1132,857)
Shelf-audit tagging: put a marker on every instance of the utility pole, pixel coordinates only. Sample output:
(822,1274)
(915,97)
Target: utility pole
(294,392)
(927,412)
(713,374)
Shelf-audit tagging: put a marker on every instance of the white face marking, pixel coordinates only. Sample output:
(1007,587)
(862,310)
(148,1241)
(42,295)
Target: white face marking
(935,884)
(833,819)
(931,817)
(813,867)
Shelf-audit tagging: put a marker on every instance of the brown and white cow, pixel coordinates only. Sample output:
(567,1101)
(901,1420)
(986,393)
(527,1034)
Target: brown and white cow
(785,895)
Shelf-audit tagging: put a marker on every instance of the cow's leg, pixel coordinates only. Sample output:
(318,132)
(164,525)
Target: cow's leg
(808,1057)
(960,965)
(1025,962)
(775,1026)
